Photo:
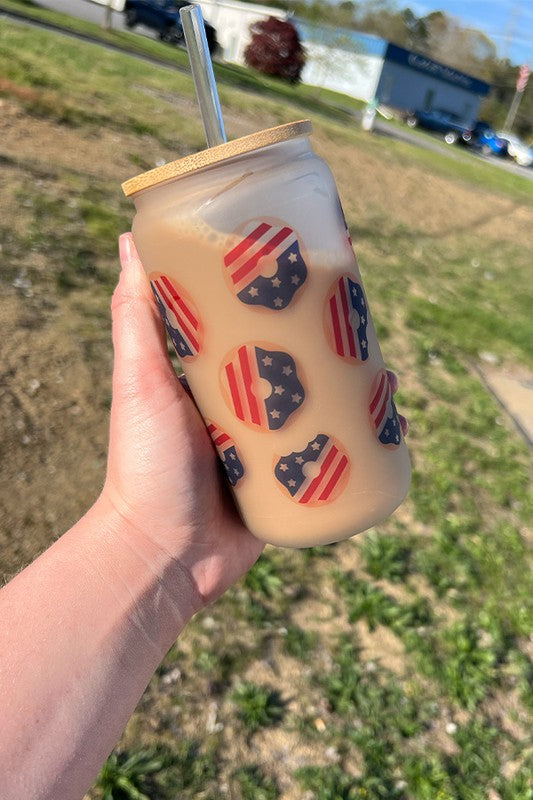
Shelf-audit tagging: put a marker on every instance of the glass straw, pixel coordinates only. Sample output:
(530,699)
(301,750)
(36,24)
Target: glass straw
(202,73)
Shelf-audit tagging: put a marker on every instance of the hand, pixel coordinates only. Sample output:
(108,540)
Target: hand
(163,475)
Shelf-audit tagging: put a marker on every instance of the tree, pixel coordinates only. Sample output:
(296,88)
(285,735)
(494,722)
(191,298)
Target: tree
(275,49)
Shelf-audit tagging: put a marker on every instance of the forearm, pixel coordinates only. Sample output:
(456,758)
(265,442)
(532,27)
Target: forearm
(83,629)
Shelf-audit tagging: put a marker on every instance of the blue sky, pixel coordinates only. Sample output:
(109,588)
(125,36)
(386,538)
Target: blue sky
(509,23)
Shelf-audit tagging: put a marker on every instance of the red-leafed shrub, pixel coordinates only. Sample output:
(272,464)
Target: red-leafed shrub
(275,49)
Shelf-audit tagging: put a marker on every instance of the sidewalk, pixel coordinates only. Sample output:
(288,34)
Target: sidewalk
(513,388)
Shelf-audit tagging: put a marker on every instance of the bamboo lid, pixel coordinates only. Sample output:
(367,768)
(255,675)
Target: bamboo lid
(214,155)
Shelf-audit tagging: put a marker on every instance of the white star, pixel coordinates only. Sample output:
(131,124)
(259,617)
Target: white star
(278,302)
(253,291)
(232,456)
(386,431)
(295,279)
(278,389)
(274,413)
(296,398)
(183,347)
(299,460)
(362,301)
(267,361)
(363,343)
(283,467)
(292,483)
(287,370)
(293,257)
(363,320)
(235,471)
(354,291)
(315,446)
(397,438)
(276,282)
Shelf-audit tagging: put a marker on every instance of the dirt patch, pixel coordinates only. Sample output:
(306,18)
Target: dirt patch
(54,432)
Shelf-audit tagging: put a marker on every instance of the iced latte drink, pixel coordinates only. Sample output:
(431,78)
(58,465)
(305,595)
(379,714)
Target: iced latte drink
(252,268)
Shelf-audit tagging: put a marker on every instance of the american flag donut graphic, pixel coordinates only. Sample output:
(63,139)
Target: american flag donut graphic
(383,414)
(315,475)
(346,320)
(227,453)
(264,264)
(180,316)
(261,386)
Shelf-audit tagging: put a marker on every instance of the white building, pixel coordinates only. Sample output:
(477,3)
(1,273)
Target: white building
(232,21)
(343,60)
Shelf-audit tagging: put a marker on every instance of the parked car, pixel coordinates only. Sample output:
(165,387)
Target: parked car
(438,119)
(163,16)
(519,150)
(484,137)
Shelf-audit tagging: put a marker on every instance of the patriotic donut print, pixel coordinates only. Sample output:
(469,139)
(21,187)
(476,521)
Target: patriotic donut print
(265,266)
(383,412)
(315,475)
(180,316)
(227,453)
(261,385)
(346,319)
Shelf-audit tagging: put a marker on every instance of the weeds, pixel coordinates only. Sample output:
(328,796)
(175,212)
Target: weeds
(456,658)
(386,556)
(264,578)
(255,785)
(257,706)
(369,602)
(299,643)
(130,776)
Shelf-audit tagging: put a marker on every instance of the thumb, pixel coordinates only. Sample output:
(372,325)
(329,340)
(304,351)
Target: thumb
(142,364)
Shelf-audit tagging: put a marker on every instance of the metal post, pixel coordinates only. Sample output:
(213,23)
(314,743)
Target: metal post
(510,118)
(108,15)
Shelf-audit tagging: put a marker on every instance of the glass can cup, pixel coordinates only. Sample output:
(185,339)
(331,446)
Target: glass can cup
(252,268)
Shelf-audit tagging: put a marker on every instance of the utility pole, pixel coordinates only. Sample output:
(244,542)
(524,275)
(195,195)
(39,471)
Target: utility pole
(108,15)
(521,83)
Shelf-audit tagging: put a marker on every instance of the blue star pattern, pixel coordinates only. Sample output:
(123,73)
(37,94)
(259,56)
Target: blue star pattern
(250,263)
(243,375)
(383,411)
(179,315)
(316,474)
(346,319)
(227,452)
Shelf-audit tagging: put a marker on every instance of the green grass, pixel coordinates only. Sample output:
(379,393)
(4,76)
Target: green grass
(257,706)
(254,785)
(275,688)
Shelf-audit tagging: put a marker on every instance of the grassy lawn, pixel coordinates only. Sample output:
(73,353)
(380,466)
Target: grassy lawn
(396,665)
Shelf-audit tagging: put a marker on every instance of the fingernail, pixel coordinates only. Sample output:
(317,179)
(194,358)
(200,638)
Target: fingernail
(126,249)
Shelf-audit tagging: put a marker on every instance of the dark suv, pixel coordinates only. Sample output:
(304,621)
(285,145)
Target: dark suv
(446,122)
(163,16)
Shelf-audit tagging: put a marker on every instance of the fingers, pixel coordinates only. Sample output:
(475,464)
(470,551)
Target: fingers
(393,380)
(138,335)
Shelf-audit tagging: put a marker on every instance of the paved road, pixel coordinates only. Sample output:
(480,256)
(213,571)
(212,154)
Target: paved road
(436,143)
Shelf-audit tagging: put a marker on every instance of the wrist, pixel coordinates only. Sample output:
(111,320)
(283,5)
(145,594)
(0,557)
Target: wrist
(154,586)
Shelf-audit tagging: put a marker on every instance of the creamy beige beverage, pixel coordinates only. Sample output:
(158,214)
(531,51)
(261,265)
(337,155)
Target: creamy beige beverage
(254,274)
